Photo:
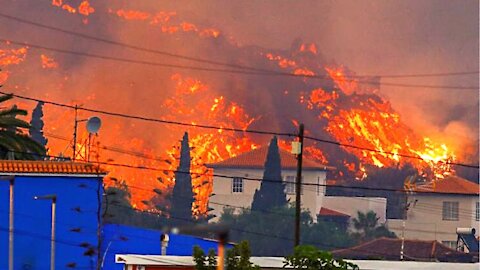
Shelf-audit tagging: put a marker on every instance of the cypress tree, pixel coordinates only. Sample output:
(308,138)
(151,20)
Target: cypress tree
(36,125)
(182,196)
(272,189)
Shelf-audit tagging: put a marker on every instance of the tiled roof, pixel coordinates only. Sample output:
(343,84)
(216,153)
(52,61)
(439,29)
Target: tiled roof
(48,167)
(329,212)
(256,159)
(451,185)
(389,249)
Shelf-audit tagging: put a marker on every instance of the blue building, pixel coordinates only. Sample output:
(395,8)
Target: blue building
(78,190)
(119,239)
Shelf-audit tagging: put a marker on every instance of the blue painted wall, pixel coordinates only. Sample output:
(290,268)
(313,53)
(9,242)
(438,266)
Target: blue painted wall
(119,239)
(77,206)
(33,221)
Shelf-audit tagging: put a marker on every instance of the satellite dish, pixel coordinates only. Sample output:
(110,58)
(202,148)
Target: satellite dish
(93,124)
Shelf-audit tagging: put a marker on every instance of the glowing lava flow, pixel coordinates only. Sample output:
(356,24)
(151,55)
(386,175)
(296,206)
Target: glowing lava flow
(168,22)
(373,124)
(192,98)
(336,106)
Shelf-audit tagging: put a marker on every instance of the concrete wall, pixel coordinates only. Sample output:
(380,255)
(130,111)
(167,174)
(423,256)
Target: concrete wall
(425,222)
(351,205)
(222,188)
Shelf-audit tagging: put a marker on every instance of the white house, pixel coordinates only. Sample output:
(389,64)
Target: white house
(352,205)
(236,189)
(436,210)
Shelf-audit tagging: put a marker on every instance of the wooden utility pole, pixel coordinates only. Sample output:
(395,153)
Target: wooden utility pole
(298,187)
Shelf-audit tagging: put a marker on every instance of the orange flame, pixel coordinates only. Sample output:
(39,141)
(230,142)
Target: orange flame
(167,21)
(48,62)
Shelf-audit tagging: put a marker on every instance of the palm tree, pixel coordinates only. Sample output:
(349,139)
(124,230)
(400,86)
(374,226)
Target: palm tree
(367,227)
(14,143)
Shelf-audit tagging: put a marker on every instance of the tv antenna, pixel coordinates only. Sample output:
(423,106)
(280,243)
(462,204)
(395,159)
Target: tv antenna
(93,125)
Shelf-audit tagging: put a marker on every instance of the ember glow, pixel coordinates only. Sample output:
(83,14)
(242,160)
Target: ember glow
(336,106)
(12,56)
(84,8)
(168,22)
(48,62)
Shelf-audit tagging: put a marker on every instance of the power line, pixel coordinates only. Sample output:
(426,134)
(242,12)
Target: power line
(463,212)
(229,129)
(276,181)
(386,152)
(242,231)
(160,215)
(208,61)
(148,119)
(130,46)
(272,236)
(158,64)
(257,179)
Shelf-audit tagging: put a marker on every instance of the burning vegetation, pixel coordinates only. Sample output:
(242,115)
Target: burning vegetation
(333,104)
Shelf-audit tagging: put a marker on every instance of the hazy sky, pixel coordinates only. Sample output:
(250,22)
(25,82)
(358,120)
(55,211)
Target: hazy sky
(373,37)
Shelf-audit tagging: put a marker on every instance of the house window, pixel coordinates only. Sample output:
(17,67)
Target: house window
(477,211)
(319,186)
(237,185)
(450,244)
(450,211)
(290,183)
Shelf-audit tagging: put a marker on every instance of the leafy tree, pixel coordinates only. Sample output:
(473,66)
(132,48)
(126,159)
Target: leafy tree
(117,209)
(269,232)
(328,235)
(311,258)
(272,189)
(237,258)
(200,259)
(116,204)
(12,138)
(368,228)
(182,196)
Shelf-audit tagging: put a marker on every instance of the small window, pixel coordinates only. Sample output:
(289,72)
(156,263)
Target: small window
(450,211)
(320,187)
(290,183)
(450,244)
(477,211)
(237,185)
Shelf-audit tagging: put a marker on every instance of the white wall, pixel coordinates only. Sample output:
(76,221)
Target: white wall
(425,218)
(222,188)
(351,205)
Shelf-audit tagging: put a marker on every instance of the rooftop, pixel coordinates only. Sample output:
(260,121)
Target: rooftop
(414,250)
(186,262)
(329,212)
(451,185)
(255,159)
(28,167)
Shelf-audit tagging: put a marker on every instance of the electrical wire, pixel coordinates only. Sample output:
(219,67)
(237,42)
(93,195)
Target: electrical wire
(224,176)
(385,152)
(156,120)
(207,61)
(234,71)
(149,119)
